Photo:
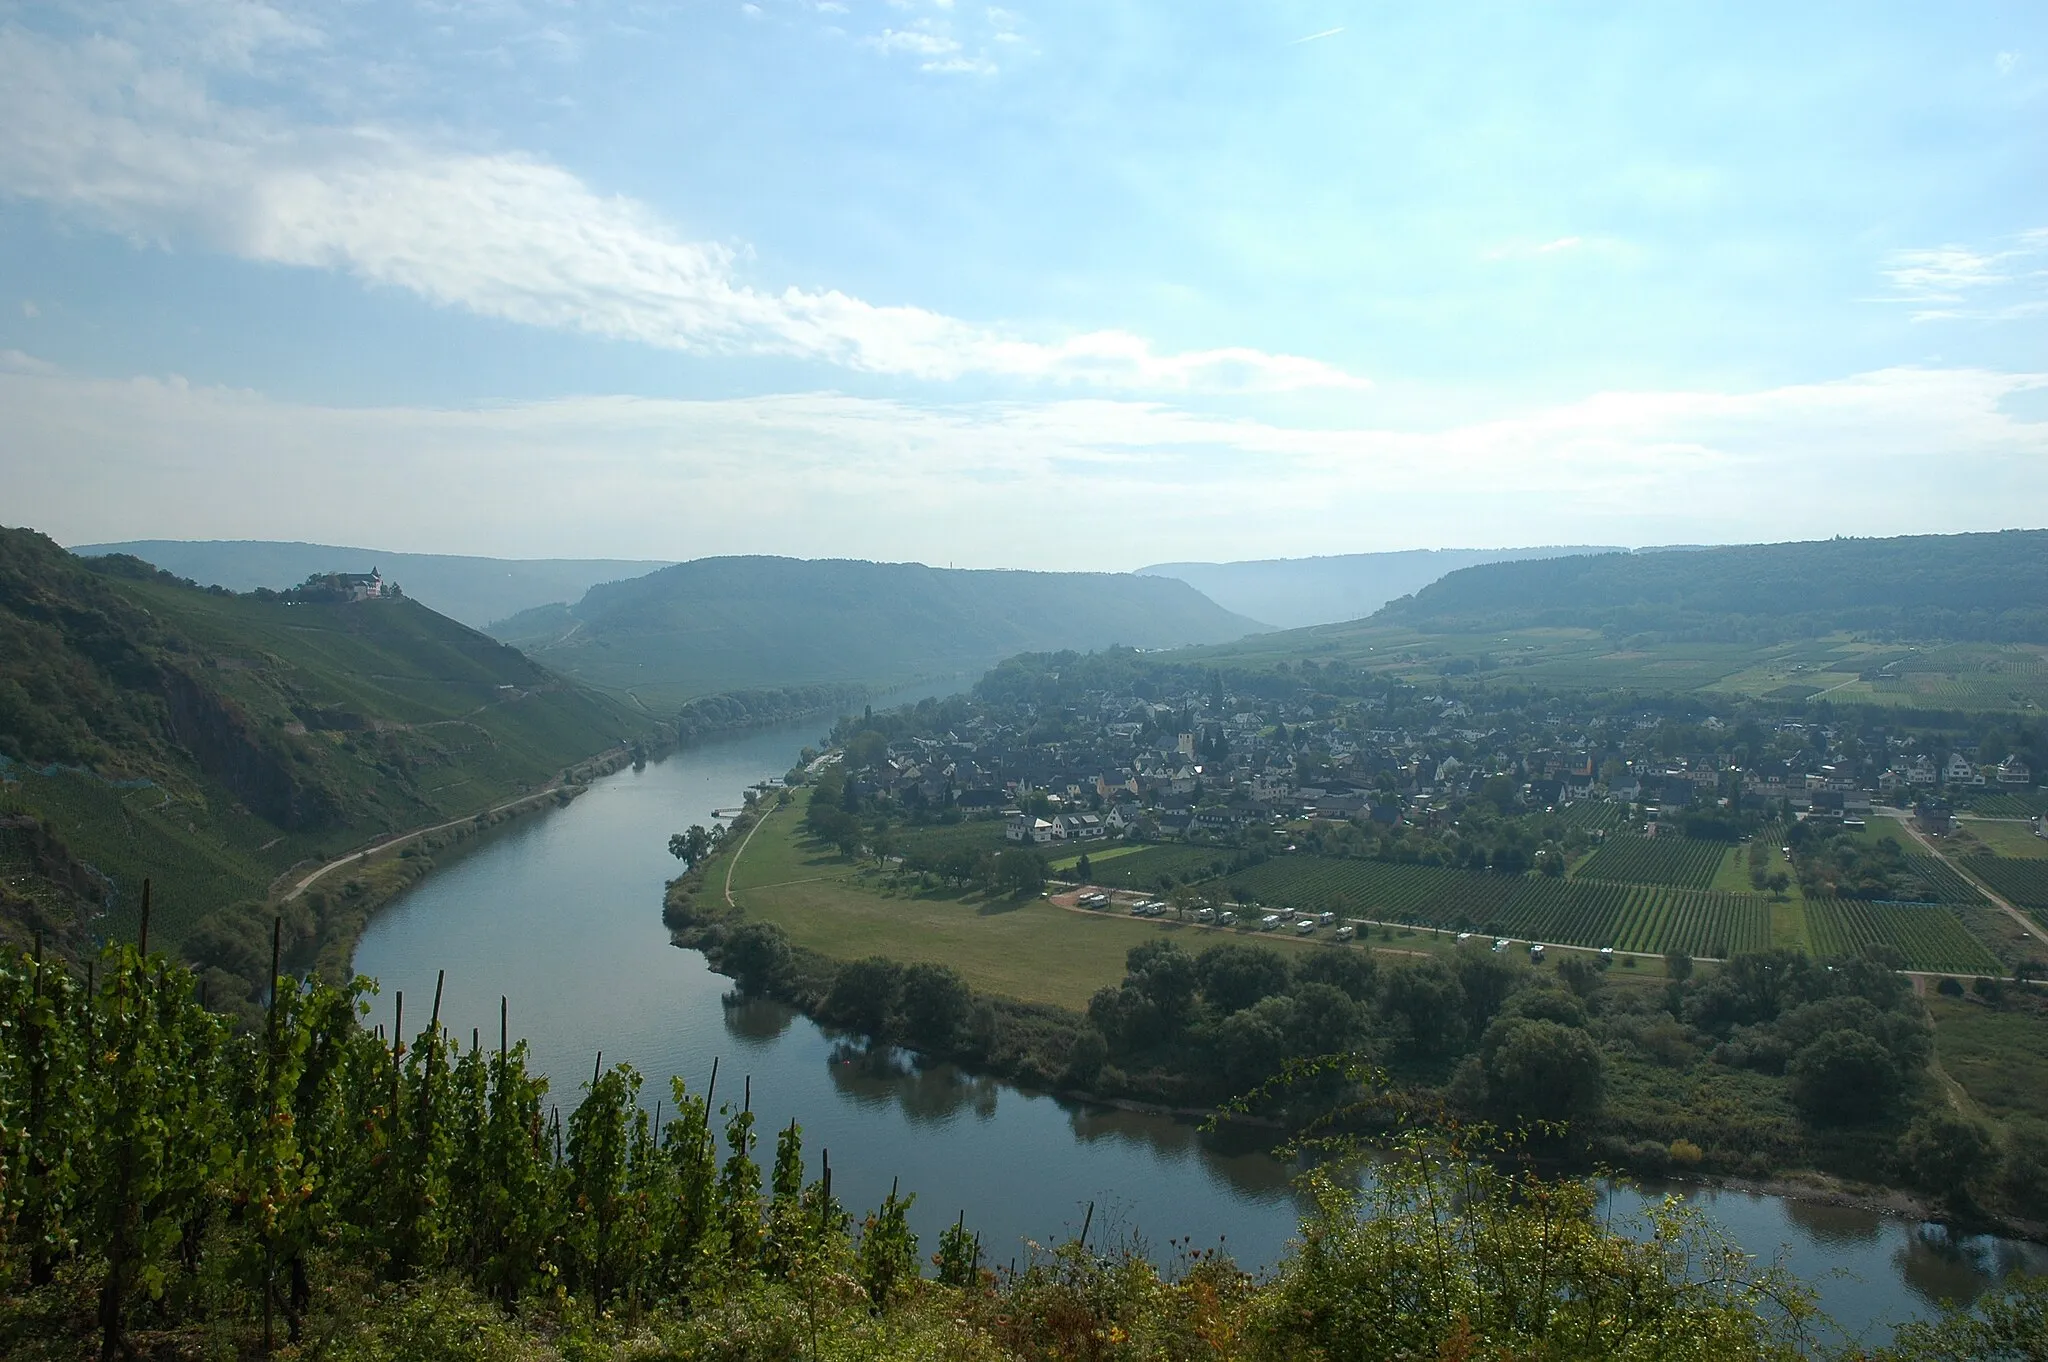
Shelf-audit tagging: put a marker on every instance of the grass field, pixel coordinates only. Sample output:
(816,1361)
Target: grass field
(1930,936)
(1098,853)
(1999,1056)
(2016,840)
(1028,949)
(933,844)
(1146,866)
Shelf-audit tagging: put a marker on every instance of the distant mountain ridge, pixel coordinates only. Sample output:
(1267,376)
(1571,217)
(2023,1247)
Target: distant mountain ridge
(1290,593)
(1964,587)
(474,591)
(723,624)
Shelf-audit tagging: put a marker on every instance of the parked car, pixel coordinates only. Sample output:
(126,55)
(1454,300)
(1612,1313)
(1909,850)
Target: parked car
(1607,952)
(1536,954)
(1225,918)
(1501,943)
(1205,914)
(1327,920)
(1346,932)
(1463,937)
(1305,927)
(1269,922)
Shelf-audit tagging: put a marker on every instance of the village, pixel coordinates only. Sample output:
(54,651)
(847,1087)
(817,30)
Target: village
(1204,764)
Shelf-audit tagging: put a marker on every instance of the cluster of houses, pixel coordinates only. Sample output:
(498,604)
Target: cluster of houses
(1207,766)
(1959,772)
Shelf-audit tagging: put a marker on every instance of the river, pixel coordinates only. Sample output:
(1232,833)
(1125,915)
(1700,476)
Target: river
(560,913)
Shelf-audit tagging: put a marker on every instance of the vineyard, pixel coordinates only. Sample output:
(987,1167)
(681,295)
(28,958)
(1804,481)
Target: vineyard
(1677,862)
(1942,880)
(1593,814)
(1648,918)
(1422,895)
(2024,882)
(2028,804)
(1929,936)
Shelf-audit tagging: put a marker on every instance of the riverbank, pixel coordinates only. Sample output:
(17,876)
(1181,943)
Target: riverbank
(1058,1050)
(342,907)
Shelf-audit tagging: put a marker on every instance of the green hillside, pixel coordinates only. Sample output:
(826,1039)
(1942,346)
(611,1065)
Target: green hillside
(475,591)
(1290,593)
(211,741)
(722,624)
(1943,622)
(1986,588)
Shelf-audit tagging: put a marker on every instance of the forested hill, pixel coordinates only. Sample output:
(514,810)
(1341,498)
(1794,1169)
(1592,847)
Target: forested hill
(1289,593)
(475,591)
(722,624)
(1972,587)
(211,741)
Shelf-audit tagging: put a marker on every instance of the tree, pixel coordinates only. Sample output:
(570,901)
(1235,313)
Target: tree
(1944,1153)
(934,1002)
(690,847)
(1843,1078)
(1425,998)
(1540,1070)
(1083,871)
(864,994)
(1678,965)
(1167,976)
(757,956)
(1235,977)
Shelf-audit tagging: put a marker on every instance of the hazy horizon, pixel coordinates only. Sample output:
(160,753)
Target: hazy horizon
(1040,286)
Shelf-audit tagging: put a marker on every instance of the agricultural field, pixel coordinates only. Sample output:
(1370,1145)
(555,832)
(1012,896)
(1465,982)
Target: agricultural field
(1570,912)
(1676,862)
(1591,814)
(1929,936)
(1423,895)
(1698,923)
(1942,880)
(2024,882)
(2027,804)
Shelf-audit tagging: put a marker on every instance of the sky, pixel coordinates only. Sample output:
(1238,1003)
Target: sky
(1061,285)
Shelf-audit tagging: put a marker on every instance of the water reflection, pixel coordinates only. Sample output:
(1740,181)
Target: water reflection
(1943,1268)
(755,1022)
(927,1093)
(1836,1224)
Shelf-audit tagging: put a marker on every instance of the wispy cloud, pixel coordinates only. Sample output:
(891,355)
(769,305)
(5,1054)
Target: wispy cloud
(1536,250)
(2005,282)
(108,137)
(96,459)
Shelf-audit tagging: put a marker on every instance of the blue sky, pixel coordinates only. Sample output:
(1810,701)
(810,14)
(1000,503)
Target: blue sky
(1071,285)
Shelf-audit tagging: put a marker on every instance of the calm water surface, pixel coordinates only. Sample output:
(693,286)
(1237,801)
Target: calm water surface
(561,914)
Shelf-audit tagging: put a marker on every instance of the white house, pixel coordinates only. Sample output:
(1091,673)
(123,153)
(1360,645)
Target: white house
(1026,827)
(2013,771)
(1958,771)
